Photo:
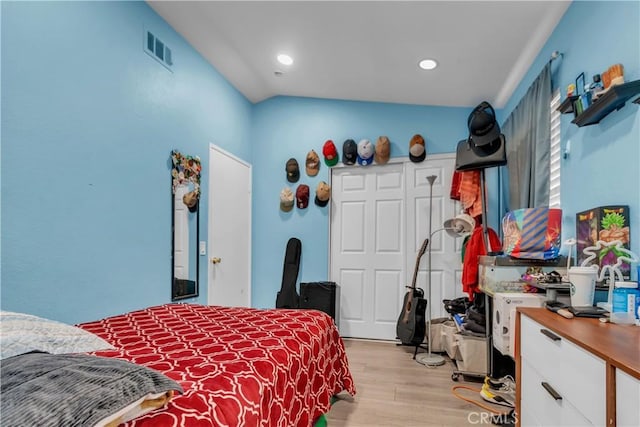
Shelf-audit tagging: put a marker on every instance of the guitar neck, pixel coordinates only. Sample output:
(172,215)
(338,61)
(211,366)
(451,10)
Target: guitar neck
(415,274)
(417,268)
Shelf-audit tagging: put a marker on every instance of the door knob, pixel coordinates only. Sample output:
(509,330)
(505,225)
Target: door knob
(216,260)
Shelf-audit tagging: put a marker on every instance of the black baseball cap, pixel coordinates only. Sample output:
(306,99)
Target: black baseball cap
(293,171)
(349,152)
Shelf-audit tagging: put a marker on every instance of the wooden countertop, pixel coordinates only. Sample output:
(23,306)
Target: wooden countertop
(617,344)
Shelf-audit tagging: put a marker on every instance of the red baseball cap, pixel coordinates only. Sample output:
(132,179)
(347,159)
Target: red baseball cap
(330,153)
(302,196)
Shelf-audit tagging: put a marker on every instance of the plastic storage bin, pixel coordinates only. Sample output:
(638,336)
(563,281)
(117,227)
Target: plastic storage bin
(442,333)
(471,357)
(438,333)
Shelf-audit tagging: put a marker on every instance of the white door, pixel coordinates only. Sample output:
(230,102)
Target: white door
(379,219)
(229,257)
(446,262)
(367,248)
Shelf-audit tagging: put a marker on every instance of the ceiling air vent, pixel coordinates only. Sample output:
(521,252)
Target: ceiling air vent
(158,50)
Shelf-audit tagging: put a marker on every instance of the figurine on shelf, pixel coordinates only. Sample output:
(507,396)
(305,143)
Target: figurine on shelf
(596,87)
(616,74)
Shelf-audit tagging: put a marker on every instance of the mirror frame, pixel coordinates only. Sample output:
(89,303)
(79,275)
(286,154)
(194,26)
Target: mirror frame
(185,171)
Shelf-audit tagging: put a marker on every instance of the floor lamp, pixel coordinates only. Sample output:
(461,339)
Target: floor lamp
(459,226)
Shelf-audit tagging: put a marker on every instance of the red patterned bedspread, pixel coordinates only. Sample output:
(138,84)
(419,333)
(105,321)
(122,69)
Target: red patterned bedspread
(238,366)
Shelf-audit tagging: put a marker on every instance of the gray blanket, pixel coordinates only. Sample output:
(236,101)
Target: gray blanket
(41,389)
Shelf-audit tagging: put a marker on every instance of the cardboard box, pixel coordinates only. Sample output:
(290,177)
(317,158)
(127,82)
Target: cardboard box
(605,223)
(504,315)
(532,233)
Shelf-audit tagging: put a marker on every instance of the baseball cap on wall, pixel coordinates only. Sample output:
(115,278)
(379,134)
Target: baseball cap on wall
(312,163)
(286,199)
(349,152)
(302,196)
(293,171)
(383,150)
(191,200)
(330,153)
(323,194)
(365,152)
(417,150)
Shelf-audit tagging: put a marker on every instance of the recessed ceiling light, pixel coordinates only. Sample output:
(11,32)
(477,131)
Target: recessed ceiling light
(428,64)
(285,59)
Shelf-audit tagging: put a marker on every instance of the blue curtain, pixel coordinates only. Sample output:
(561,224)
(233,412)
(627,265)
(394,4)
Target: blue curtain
(528,141)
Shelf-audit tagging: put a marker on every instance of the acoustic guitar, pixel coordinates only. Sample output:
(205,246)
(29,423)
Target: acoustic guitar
(411,326)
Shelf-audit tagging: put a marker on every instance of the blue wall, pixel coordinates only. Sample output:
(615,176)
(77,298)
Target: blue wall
(88,124)
(287,127)
(603,164)
(89,120)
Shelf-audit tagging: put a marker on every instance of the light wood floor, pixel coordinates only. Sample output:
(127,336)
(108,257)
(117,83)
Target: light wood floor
(392,390)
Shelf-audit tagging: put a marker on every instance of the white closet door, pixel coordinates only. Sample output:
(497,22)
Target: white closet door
(446,263)
(367,248)
(379,219)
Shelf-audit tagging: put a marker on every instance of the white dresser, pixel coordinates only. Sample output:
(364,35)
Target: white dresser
(576,372)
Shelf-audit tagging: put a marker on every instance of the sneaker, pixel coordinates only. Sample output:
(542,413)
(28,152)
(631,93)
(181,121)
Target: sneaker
(503,396)
(498,383)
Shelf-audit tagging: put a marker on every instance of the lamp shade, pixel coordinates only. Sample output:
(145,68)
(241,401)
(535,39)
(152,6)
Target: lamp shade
(460,225)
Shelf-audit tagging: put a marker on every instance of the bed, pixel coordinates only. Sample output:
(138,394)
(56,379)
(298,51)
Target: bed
(234,366)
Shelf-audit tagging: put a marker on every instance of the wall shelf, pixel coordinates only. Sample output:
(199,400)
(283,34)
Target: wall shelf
(567,105)
(614,99)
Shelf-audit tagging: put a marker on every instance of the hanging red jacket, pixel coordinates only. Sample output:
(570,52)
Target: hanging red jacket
(475,248)
(454,193)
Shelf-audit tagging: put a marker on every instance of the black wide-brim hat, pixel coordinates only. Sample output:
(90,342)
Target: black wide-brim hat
(482,124)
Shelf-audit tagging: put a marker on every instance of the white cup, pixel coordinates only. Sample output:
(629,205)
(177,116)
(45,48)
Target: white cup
(583,285)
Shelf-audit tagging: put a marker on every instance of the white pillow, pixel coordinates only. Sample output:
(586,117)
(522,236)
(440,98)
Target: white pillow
(21,333)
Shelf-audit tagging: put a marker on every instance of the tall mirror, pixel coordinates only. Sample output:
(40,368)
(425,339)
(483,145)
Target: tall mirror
(185,225)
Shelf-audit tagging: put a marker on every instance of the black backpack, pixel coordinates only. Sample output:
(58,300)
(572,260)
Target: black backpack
(457,305)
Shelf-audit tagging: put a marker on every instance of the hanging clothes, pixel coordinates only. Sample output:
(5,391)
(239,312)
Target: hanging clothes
(466,188)
(474,249)
(454,193)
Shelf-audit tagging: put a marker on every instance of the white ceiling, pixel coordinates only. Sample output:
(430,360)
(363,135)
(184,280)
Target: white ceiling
(369,51)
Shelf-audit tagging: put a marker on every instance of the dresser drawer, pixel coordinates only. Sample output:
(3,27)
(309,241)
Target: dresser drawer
(575,374)
(540,407)
(627,398)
